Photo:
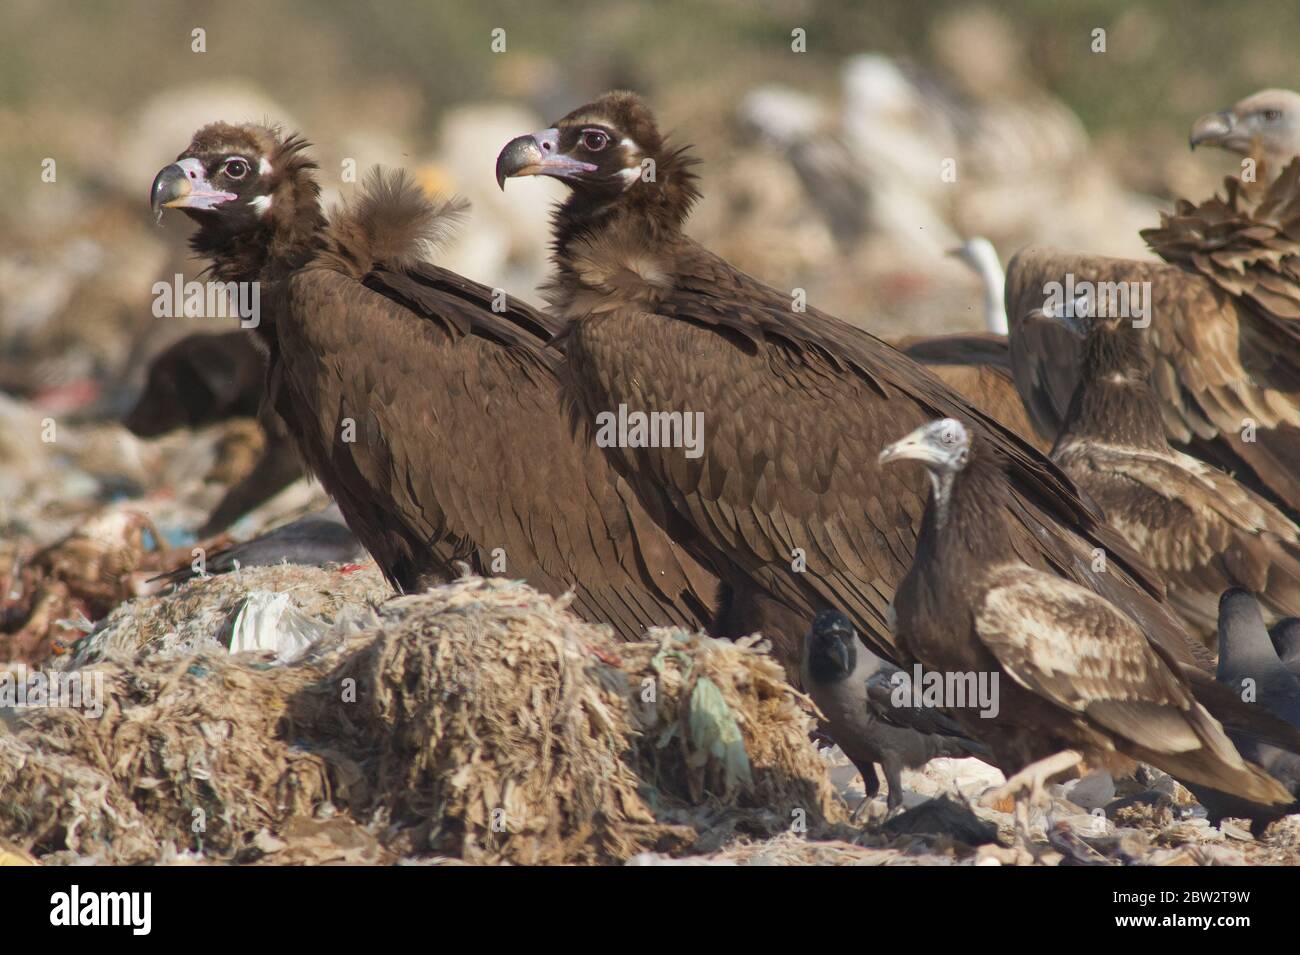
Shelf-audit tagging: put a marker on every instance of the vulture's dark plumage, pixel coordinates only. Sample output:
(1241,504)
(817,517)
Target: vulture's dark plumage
(1079,680)
(1200,528)
(857,691)
(1225,330)
(977,366)
(206,378)
(427,405)
(786,492)
(200,380)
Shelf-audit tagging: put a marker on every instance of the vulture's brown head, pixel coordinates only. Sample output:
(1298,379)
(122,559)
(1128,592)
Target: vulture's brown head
(242,184)
(1114,342)
(1265,125)
(610,154)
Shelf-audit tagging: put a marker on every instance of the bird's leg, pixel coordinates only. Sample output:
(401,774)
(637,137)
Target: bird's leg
(1026,788)
(861,812)
(894,778)
(871,785)
(1033,777)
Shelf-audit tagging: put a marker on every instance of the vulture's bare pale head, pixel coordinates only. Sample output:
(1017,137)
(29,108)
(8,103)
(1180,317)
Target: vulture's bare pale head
(943,446)
(1265,125)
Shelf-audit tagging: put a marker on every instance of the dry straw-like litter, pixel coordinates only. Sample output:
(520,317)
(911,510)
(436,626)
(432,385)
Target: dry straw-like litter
(478,721)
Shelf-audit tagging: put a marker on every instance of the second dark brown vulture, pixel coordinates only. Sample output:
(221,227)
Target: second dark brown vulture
(432,417)
(1201,529)
(785,491)
(1225,330)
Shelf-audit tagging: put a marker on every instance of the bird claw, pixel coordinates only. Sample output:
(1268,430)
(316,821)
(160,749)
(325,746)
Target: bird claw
(1031,779)
(863,811)
(1026,789)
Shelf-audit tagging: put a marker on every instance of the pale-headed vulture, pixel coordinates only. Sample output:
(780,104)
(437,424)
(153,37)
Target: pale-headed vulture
(1079,680)
(1264,126)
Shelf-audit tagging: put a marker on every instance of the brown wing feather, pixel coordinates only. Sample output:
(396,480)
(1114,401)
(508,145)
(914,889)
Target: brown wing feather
(1224,339)
(1201,529)
(462,447)
(798,405)
(1073,649)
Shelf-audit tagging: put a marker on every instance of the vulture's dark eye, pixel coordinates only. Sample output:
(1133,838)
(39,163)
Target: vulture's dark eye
(594,140)
(1272,115)
(235,168)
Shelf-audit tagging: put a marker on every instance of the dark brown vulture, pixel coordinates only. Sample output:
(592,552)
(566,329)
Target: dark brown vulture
(202,379)
(197,381)
(1264,125)
(1078,679)
(1224,333)
(1202,530)
(432,417)
(783,489)
(977,365)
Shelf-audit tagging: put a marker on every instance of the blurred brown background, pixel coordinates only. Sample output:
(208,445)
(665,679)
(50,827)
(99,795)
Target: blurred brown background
(820,168)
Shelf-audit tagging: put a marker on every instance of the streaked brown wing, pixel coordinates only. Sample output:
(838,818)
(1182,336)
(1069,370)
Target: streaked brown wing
(1218,366)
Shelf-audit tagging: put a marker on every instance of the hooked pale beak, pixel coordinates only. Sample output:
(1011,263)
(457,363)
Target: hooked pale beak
(1212,129)
(914,447)
(184,185)
(537,154)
